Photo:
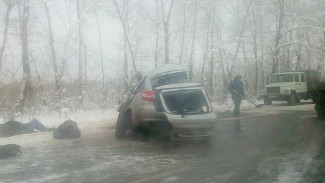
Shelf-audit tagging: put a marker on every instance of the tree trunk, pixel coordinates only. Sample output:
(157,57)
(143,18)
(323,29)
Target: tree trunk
(27,85)
(101,56)
(157,34)
(5,32)
(183,34)
(126,39)
(246,68)
(53,53)
(222,66)
(192,45)
(80,38)
(240,39)
(205,55)
(166,38)
(166,28)
(275,66)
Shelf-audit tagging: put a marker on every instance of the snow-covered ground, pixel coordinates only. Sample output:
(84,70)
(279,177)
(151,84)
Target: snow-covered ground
(228,105)
(97,117)
(83,118)
(97,156)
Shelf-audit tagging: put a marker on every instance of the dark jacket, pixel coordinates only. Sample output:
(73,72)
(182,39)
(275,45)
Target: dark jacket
(68,130)
(236,86)
(11,128)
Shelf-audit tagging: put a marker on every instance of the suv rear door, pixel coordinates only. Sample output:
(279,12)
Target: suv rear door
(185,105)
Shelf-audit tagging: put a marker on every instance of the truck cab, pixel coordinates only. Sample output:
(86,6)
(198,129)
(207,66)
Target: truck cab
(286,86)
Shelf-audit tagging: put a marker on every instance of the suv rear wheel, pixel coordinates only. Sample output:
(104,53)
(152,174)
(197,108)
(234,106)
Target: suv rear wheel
(122,124)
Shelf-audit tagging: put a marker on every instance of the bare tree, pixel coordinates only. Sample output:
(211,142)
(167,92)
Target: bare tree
(26,90)
(126,42)
(9,5)
(192,44)
(241,34)
(80,38)
(166,22)
(101,53)
(157,29)
(53,53)
(279,27)
(254,32)
(183,33)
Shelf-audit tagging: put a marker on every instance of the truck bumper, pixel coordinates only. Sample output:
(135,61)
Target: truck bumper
(276,97)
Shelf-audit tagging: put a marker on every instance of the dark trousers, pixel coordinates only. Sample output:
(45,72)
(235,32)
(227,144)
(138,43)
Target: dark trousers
(34,124)
(237,107)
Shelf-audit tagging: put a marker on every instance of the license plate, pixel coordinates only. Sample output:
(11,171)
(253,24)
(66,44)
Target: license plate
(193,132)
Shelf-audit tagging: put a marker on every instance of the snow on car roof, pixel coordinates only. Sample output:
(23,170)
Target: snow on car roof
(180,85)
(288,73)
(166,68)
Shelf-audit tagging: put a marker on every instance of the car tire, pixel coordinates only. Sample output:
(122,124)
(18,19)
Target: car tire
(122,125)
(292,99)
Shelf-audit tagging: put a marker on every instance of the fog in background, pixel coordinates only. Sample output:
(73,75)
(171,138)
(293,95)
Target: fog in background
(87,53)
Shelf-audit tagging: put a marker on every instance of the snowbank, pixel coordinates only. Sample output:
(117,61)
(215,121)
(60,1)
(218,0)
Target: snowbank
(228,105)
(84,119)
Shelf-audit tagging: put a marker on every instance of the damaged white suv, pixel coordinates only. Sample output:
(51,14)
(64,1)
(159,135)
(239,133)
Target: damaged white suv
(165,104)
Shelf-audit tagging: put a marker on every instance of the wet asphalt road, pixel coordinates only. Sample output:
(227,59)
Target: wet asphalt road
(272,144)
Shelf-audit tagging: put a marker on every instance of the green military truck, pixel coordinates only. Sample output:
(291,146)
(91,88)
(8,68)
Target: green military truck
(294,86)
(319,89)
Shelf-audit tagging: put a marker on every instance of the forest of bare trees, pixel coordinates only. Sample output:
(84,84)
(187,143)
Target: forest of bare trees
(80,54)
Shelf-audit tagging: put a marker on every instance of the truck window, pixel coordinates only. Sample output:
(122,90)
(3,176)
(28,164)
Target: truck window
(303,79)
(280,78)
(297,77)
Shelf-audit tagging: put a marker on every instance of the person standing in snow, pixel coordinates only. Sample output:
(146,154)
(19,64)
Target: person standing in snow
(12,128)
(236,87)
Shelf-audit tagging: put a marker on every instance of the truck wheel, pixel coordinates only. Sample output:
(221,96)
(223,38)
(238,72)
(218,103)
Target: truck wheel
(122,124)
(320,115)
(292,99)
(267,101)
(313,98)
(298,99)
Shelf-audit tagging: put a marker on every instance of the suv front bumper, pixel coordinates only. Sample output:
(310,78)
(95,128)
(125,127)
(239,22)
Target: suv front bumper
(198,125)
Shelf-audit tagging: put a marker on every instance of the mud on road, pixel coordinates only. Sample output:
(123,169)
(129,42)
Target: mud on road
(272,144)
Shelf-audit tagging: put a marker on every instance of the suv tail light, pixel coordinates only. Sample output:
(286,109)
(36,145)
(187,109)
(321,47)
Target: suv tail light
(148,96)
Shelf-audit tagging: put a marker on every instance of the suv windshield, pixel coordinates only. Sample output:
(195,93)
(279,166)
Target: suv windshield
(281,78)
(167,79)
